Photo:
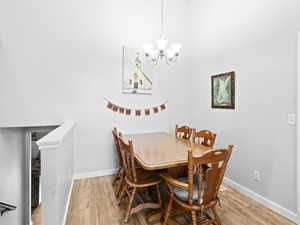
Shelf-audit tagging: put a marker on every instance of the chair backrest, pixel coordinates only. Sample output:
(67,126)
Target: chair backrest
(127,155)
(209,179)
(204,137)
(184,132)
(115,135)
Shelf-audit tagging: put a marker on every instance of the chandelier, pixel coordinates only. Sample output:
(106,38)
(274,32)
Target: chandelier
(163,50)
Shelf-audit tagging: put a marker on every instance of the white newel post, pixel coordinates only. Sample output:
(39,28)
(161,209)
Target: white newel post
(56,173)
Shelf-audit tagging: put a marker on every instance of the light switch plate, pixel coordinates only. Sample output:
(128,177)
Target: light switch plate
(256,175)
(291,118)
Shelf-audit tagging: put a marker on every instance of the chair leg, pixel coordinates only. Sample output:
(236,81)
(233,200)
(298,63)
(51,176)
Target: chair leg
(158,195)
(168,210)
(122,193)
(194,217)
(119,188)
(117,176)
(130,205)
(217,218)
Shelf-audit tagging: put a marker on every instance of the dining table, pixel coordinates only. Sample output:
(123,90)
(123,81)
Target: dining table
(159,150)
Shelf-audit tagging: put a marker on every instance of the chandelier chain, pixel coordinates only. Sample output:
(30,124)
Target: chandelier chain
(162,17)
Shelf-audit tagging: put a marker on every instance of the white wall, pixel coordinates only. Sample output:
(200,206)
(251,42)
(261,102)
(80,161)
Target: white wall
(59,58)
(11,174)
(257,40)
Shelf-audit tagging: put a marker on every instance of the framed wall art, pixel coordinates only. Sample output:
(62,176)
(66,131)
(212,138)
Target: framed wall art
(137,72)
(223,91)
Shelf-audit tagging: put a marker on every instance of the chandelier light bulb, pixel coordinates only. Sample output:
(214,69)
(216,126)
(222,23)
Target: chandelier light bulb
(154,54)
(170,53)
(148,48)
(176,47)
(162,44)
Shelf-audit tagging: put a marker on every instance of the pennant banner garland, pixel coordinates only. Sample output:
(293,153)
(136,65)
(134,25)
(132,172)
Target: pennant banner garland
(137,112)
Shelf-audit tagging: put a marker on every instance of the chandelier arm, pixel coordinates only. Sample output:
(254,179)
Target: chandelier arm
(155,61)
(175,59)
(170,61)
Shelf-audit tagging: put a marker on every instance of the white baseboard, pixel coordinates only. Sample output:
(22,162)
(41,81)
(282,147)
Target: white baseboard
(68,203)
(262,200)
(99,173)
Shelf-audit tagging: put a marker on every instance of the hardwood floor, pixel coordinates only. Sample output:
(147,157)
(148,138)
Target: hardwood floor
(36,216)
(93,203)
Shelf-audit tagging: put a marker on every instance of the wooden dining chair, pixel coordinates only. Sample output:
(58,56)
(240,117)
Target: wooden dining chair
(120,175)
(184,132)
(137,179)
(198,192)
(204,137)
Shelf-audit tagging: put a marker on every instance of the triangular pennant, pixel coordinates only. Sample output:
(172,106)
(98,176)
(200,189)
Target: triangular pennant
(163,107)
(121,110)
(155,109)
(115,108)
(128,111)
(109,105)
(137,112)
(147,112)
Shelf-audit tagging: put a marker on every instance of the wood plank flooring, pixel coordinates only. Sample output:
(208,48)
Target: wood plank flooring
(93,202)
(36,216)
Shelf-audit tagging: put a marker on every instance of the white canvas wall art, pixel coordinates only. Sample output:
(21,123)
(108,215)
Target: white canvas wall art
(137,72)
